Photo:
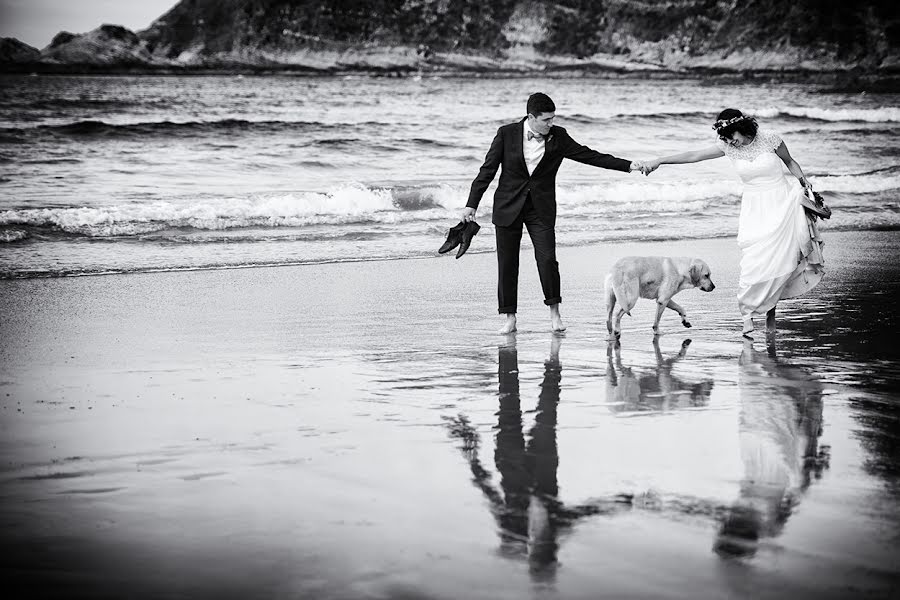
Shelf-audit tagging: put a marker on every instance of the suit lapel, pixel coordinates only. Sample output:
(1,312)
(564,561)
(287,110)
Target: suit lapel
(519,146)
(549,146)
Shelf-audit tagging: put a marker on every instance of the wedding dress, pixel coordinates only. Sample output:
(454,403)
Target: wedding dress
(781,250)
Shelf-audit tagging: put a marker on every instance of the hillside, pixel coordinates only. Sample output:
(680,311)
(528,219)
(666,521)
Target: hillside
(509,35)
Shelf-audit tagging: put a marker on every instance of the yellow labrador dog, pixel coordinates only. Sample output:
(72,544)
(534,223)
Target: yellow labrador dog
(654,277)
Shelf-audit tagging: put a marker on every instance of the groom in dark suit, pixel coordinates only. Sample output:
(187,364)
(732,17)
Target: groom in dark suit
(531,152)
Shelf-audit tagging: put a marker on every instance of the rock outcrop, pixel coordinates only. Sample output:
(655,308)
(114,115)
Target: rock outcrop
(108,45)
(14,51)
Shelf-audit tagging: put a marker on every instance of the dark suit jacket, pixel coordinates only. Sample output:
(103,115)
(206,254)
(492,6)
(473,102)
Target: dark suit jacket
(515,182)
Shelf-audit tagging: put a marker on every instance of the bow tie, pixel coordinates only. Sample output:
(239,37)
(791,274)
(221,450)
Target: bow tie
(536,136)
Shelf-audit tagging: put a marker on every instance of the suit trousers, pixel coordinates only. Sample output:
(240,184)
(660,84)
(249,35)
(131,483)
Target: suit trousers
(509,238)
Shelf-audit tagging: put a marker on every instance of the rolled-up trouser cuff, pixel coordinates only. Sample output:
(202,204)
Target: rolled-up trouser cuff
(507,310)
(552,301)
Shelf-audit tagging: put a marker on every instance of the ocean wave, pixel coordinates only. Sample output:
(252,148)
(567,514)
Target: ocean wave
(881,170)
(645,114)
(99,128)
(889,114)
(136,126)
(855,184)
(433,142)
(847,132)
(88,103)
(358,204)
(661,195)
(11,138)
(344,205)
(12,235)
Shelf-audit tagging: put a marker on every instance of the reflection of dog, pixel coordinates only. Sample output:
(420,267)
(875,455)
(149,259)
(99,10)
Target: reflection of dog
(653,277)
(637,390)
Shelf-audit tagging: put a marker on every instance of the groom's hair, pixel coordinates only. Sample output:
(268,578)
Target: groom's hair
(540,103)
(744,125)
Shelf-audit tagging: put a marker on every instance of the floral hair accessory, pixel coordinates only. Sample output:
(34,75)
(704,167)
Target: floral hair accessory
(725,123)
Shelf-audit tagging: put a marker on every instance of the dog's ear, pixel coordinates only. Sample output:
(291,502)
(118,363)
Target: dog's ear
(696,271)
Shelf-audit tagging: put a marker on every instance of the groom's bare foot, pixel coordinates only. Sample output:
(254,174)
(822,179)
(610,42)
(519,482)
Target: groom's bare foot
(556,323)
(510,325)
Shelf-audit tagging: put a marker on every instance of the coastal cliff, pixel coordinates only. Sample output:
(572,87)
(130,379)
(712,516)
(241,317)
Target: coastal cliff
(649,36)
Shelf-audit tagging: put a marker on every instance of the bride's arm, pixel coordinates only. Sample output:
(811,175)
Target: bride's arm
(684,158)
(792,165)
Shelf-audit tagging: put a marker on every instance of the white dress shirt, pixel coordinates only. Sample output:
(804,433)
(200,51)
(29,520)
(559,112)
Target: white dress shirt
(533,149)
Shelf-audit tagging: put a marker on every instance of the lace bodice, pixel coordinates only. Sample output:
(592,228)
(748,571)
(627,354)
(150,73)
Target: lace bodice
(756,163)
(765,141)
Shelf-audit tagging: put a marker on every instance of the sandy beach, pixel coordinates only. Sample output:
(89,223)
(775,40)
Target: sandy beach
(359,430)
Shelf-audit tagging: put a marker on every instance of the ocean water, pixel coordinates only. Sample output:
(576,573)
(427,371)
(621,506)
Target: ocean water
(102,174)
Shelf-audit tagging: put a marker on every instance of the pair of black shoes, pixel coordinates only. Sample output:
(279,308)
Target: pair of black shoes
(460,235)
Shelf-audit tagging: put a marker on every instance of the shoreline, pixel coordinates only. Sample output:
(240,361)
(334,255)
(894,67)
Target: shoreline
(830,82)
(837,79)
(561,245)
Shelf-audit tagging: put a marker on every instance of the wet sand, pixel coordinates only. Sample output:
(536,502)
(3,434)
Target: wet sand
(359,430)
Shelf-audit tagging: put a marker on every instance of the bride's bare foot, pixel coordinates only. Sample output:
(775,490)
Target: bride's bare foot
(770,321)
(748,328)
(556,324)
(510,325)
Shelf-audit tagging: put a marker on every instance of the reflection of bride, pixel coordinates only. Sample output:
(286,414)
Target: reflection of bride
(780,423)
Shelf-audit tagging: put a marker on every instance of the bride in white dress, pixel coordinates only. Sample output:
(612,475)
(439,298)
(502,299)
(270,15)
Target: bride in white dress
(781,251)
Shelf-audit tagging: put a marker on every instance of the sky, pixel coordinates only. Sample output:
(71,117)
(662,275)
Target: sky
(35,22)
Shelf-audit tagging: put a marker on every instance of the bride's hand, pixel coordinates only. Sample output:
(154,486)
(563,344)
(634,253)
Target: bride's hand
(649,166)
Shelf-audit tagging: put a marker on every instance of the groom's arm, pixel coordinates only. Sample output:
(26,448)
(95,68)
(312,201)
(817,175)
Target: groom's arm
(575,151)
(488,170)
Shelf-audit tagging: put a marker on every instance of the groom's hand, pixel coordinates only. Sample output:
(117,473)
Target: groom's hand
(637,166)
(468,214)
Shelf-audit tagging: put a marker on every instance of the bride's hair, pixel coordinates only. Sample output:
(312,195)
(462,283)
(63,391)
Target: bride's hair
(731,120)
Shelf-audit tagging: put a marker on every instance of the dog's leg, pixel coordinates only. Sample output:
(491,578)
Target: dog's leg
(660,307)
(610,303)
(680,311)
(617,321)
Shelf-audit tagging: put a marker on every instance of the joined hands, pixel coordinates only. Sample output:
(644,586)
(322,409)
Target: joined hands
(645,167)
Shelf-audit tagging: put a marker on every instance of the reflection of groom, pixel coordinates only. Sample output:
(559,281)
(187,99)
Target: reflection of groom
(528,472)
(530,514)
(530,517)
(531,152)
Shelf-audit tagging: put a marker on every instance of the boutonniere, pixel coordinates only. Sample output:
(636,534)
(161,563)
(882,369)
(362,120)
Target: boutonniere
(548,137)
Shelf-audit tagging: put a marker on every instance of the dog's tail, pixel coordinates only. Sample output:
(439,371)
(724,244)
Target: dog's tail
(612,296)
